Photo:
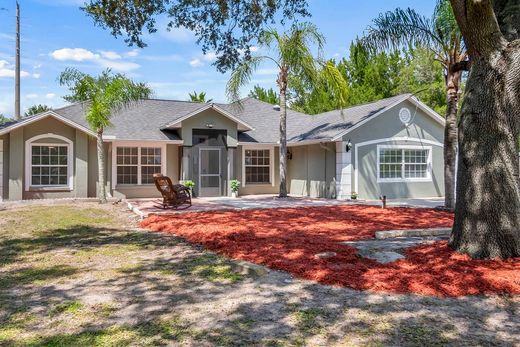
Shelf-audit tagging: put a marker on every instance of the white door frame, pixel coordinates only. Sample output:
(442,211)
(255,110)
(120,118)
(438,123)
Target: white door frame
(219,175)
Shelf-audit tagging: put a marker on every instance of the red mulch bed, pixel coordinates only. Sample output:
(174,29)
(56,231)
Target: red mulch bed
(289,238)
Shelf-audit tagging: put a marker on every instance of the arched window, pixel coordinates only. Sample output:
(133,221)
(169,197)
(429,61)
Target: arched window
(49,162)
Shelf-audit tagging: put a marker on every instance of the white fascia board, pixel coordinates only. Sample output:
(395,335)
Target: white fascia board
(43,115)
(177,122)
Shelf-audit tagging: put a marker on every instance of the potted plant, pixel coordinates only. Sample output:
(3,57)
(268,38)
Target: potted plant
(188,184)
(235,185)
(353,195)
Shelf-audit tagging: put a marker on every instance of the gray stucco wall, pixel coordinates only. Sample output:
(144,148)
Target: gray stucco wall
(79,140)
(5,166)
(257,188)
(201,120)
(311,171)
(387,126)
(149,190)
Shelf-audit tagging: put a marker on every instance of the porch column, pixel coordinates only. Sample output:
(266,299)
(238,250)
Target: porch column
(185,165)
(231,152)
(343,171)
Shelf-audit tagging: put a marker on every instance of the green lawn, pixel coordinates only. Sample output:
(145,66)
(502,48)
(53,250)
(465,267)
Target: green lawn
(85,275)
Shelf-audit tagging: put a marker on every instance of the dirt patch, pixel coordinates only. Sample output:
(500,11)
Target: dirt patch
(289,239)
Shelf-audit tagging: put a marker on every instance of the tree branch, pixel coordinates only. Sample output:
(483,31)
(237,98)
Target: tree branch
(461,66)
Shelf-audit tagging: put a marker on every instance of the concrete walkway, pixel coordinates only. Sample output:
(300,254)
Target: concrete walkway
(146,207)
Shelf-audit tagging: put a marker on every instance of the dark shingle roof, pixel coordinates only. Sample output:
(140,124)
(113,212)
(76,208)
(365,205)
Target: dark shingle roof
(145,119)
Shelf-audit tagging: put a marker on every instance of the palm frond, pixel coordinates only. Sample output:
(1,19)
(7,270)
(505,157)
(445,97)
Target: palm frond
(242,76)
(399,28)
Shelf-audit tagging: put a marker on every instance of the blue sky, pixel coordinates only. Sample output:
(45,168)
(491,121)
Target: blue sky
(56,34)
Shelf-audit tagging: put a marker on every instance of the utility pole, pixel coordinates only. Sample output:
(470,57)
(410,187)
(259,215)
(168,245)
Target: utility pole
(17,67)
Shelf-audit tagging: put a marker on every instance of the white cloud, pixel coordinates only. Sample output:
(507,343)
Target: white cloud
(36,75)
(210,56)
(31,96)
(196,62)
(75,54)
(106,59)
(133,53)
(7,70)
(178,35)
(110,55)
(50,95)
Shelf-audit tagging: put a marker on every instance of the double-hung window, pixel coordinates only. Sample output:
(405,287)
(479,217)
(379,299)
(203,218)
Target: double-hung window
(137,165)
(49,165)
(404,163)
(257,166)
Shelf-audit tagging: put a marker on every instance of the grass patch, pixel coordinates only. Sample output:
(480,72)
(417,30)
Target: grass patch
(209,267)
(70,307)
(35,275)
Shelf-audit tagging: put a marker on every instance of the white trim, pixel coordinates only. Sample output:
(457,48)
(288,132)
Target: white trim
(271,164)
(389,139)
(219,175)
(112,138)
(411,98)
(43,115)
(139,145)
(428,177)
(28,162)
(177,122)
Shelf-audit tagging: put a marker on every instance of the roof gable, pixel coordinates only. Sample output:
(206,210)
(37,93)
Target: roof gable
(241,125)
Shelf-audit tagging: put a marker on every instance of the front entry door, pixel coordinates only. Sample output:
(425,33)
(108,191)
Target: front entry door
(210,174)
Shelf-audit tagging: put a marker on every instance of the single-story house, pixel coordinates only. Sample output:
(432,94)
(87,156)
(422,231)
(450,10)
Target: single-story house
(391,147)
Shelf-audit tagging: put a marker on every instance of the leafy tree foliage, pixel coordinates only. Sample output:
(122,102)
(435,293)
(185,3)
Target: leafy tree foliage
(103,96)
(4,119)
(199,97)
(373,76)
(266,95)
(35,109)
(225,26)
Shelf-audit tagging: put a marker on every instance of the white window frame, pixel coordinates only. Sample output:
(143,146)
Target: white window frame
(271,165)
(428,177)
(29,144)
(139,145)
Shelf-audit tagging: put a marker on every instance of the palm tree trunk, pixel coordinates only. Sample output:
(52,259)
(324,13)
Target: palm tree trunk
(282,82)
(450,137)
(101,166)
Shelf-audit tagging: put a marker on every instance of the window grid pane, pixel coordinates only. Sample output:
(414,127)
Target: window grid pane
(257,166)
(49,165)
(403,163)
(132,161)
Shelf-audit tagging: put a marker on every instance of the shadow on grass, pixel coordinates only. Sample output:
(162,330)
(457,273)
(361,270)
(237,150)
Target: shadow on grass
(270,310)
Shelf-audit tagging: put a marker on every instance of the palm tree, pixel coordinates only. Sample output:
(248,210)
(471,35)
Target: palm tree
(440,35)
(199,97)
(293,56)
(104,95)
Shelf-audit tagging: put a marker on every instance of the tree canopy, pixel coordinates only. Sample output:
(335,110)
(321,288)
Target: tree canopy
(371,76)
(199,97)
(266,95)
(227,27)
(35,109)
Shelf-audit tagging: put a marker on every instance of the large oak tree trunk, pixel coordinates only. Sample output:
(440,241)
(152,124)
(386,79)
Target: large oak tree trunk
(487,210)
(282,82)
(487,213)
(101,166)
(450,136)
